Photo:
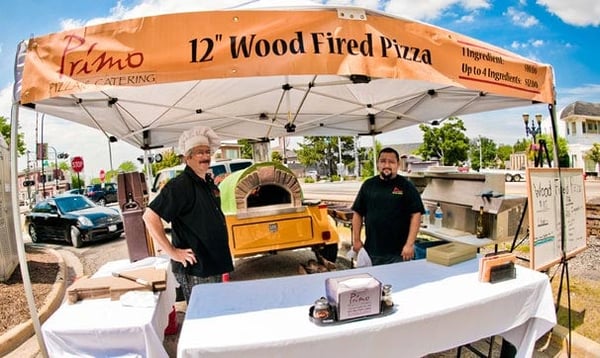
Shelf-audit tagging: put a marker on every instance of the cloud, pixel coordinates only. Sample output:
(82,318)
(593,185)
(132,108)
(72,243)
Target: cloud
(574,12)
(466,19)
(430,10)
(6,100)
(521,18)
(68,24)
(518,45)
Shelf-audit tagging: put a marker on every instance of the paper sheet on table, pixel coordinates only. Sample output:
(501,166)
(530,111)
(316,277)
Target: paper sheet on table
(362,257)
(139,299)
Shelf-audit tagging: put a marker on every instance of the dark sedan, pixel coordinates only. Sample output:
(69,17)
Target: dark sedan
(74,219)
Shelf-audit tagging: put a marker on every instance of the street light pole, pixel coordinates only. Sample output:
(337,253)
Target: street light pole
(111,139)
(43,156)
(55,167)
(56,157)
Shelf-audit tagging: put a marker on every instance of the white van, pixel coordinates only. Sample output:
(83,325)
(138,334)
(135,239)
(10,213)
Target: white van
(219,169)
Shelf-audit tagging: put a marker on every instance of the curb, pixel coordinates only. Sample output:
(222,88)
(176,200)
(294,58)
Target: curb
(19,334)
(579,343)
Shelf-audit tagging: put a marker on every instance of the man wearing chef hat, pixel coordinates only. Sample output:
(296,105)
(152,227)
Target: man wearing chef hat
(199,246)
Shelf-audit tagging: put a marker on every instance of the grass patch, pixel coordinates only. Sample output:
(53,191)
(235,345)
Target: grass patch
(585,306)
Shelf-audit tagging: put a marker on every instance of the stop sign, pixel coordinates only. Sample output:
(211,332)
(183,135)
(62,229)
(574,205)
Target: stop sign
(77,164)
(102,175)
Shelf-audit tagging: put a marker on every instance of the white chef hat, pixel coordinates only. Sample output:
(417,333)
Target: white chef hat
(198,136)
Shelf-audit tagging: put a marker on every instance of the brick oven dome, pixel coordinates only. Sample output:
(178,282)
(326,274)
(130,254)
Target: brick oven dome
(271,182)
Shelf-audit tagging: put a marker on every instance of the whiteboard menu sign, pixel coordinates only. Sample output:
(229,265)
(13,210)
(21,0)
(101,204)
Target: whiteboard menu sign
(557,218)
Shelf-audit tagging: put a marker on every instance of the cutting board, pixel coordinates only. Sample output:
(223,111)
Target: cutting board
(113,287)
(451,253)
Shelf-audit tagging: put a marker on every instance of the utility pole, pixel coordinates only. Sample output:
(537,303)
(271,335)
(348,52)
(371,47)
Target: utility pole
(356,158)
(42,157)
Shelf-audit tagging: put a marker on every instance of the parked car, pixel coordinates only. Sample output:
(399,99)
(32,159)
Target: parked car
(75,191)
(313,174)
(74,219)
(102,194)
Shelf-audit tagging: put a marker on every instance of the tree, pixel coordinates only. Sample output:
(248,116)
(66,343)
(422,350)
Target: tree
(448,142)
(483,149)
(312,151)
(169,159)
(563,150)
(276,157)
(593,154)
(127,166)
(77,182)
(246,148)
(522,145)
(5,130)
(504,151)
(323,152)
(366,158)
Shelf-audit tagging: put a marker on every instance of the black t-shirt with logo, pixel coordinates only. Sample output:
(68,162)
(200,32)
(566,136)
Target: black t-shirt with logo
(193,206)
(387,206)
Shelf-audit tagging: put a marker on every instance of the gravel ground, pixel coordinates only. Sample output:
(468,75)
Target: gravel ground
(586,264)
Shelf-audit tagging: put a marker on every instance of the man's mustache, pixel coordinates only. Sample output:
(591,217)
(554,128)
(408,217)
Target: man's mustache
(204,161)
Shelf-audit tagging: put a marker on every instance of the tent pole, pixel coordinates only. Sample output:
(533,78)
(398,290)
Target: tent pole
(552,110)
(374,156)
(17,227)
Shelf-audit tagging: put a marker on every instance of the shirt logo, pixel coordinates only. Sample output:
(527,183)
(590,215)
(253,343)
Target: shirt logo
(397,191)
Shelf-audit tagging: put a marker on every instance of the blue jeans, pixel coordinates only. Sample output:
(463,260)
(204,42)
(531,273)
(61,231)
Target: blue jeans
(187,282)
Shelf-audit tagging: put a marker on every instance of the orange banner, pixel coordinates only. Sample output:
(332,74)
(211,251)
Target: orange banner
(247,43)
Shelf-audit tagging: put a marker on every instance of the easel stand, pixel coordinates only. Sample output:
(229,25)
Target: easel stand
(565,274)
(539,155)
(514,243)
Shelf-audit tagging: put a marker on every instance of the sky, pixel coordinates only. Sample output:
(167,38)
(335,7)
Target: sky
(561,33)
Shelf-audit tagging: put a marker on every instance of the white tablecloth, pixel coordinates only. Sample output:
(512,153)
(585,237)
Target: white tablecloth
(437,308)
(105,328)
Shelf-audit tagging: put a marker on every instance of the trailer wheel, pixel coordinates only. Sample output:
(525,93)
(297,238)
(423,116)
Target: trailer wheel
(517,177)
(328,252)
(508,177)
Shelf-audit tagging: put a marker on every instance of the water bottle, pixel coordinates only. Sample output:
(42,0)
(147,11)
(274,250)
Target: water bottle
(438,215)
(425,221)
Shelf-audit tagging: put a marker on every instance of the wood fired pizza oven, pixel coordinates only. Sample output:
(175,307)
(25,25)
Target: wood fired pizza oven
(261,189)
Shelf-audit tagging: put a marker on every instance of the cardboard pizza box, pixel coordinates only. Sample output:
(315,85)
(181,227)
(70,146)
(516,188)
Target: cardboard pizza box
(451,253)
(149,279)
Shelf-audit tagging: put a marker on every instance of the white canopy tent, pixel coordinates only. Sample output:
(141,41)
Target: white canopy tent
(266,73)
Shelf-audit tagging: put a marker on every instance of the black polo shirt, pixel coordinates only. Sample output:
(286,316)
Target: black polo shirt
(193,207)
(387,207)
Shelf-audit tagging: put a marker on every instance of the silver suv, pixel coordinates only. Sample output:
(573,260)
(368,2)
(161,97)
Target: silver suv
(219,170)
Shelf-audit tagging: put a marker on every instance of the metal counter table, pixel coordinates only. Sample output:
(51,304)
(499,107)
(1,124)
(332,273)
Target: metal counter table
(105,328)
(437,308)
(452,235)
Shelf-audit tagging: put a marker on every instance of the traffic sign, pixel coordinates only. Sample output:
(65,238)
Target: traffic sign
(77,164)
(102,175)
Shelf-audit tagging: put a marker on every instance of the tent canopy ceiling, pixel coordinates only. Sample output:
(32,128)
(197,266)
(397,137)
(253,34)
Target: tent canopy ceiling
(269,73)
